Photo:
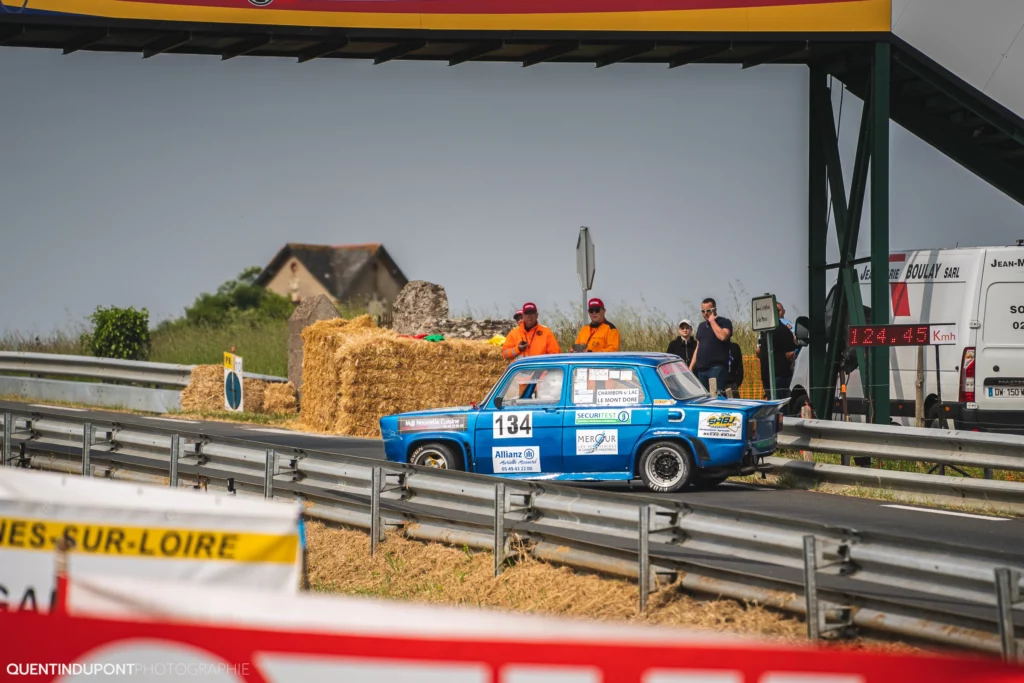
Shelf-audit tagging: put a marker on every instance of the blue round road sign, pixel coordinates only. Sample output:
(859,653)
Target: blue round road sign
(233,390)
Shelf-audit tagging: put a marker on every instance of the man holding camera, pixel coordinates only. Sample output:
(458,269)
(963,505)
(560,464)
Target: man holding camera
(600,335)
(711,359)
(530,338)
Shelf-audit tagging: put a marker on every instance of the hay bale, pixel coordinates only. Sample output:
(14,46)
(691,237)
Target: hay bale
(279,398)
(356,373)
(205,391)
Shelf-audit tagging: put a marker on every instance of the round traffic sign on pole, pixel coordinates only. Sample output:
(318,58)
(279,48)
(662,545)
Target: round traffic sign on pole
(232,390)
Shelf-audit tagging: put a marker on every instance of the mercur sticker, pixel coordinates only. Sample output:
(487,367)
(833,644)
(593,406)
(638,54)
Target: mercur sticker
(604,417)
(720,426)
(597,441)
(432,423)
(516,459)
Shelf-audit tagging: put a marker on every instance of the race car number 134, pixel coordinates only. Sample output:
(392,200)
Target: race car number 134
(513,425)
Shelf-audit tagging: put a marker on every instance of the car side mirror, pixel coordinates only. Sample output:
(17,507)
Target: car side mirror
(497,402)
(803,330)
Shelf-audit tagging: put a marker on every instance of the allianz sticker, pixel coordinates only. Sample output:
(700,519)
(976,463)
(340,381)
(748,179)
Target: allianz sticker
(514,459)
(720,425)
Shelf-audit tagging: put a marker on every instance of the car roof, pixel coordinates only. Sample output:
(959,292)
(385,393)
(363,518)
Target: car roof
(633,357)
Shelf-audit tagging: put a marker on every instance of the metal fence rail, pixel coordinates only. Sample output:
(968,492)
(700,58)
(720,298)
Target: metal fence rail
(936,591)
(942,447)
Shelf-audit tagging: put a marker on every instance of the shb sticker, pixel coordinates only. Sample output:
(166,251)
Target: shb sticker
(515,459)
(720,425)
(604,417)
(597,441)
(432,423)
(513,425)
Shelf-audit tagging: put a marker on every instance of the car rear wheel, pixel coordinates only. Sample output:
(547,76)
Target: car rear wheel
(666,467)
(436,455)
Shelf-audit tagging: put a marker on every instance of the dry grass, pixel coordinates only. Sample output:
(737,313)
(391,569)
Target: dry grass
(432,573)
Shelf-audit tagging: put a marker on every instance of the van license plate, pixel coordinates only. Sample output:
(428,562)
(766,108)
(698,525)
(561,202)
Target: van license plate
(1005,392)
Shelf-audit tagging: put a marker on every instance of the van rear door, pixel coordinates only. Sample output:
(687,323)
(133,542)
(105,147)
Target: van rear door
(999,368)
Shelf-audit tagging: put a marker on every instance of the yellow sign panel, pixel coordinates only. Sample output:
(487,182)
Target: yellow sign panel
(229,361)
(740,16)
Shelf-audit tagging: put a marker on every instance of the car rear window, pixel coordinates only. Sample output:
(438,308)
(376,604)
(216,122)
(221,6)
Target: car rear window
(680,382)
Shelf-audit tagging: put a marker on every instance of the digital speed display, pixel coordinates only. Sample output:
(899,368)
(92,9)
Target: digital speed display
(900,335)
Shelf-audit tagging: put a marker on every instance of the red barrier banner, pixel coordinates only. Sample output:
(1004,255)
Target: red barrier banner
(144,631)
(562,15)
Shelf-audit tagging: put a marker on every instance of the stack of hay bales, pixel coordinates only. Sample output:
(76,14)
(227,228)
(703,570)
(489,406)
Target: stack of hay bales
(205,393)
(354,373)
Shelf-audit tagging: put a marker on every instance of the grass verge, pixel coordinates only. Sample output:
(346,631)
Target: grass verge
(264,346)
(339,562)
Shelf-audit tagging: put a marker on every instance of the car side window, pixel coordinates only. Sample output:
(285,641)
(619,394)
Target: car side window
(535,386)
(597,386)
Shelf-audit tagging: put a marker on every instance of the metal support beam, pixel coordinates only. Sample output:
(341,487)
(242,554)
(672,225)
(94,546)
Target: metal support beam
(375,526)
(499,527)
(817,235)
(84,40)
(399,50)
(244,47)
(9,33)
(270,469)
(6,457)
(1007,594)
(475,52)
(625,53)
(774,54)
(553,52)
(692,56)
(322,50)
(878,385)
(166,44)
(86,449)
(811,588)
(644,555)
(175,453)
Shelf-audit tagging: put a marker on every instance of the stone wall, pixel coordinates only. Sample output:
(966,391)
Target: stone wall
(467,328)
(308,312)
(417,304)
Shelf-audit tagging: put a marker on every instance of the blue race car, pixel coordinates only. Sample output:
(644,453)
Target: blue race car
(594,417)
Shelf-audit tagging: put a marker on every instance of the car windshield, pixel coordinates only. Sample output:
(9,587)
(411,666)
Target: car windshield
(679,381)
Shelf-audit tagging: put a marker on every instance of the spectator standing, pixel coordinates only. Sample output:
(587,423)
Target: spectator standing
(784,347)
(684,345)
(711,360)
(735,379)
(600,335)
(530,338)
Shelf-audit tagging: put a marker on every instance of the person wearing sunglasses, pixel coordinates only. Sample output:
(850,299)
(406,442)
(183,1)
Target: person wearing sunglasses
(711,359)
(600,336)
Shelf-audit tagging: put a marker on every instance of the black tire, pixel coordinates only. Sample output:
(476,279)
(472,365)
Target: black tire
(666,467)
(933,418)
(436,455)
(796,403)
(708,483)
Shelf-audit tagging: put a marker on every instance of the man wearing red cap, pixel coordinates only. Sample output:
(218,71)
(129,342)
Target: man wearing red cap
(530,338)
(599,335)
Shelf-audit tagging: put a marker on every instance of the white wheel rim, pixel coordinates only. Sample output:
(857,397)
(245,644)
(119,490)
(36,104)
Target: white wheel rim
(432,458)
(665,467)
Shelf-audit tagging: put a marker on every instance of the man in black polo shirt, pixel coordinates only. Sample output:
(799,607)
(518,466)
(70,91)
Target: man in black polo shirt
(712,356)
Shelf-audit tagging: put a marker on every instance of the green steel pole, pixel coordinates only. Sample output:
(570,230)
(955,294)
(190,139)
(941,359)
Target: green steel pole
(771,363)
(879,364)
(817,234)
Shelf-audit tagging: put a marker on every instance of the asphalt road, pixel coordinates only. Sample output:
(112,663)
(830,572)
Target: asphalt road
(992,534)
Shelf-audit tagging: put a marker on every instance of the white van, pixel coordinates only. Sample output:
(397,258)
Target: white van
(981,290)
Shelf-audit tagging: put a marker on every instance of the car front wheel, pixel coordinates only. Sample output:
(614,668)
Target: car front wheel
(436,455)
(666,467)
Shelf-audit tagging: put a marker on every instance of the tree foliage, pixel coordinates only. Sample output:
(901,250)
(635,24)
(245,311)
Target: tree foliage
(119,333)
(238,300)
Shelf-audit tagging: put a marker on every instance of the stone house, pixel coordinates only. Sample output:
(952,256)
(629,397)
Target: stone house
(354,274)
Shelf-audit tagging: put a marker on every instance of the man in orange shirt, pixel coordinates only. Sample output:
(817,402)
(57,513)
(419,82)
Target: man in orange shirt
(530,338)
(599,335)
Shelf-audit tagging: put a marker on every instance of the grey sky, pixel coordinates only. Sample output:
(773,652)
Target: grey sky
(144,182)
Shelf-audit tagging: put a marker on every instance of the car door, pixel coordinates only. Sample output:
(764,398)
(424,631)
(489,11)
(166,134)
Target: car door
(524,435)
(607,411)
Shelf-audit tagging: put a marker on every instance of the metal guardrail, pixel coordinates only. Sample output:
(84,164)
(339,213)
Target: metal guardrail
(942,592)
(107,369)
(942,447)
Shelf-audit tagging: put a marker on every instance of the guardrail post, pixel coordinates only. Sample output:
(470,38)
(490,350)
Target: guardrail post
(173,474)
(811,588)
(989,474)
(644,556)
(268,473)
(375,478)
(86,447)
(5,454)
(1007,593)
(499,527)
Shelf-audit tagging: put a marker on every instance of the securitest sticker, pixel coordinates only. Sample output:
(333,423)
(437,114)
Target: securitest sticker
(720,425)
(515,459)
(432,423)
(604,417)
